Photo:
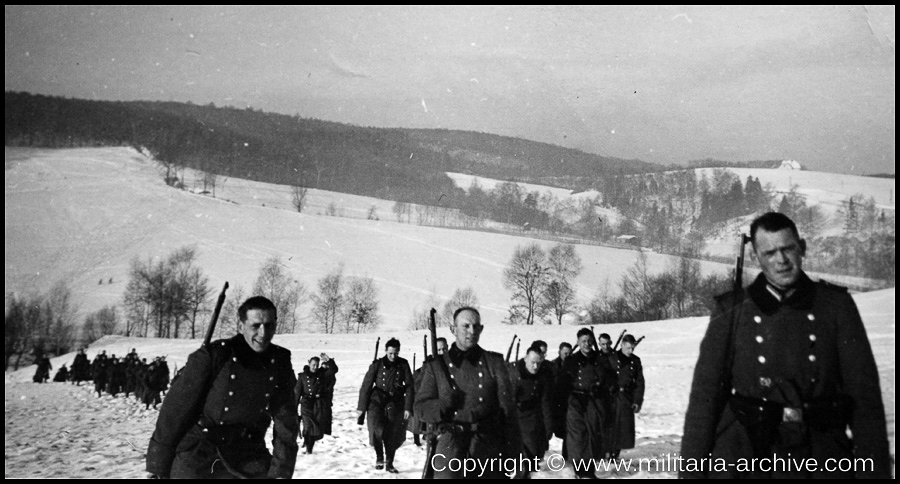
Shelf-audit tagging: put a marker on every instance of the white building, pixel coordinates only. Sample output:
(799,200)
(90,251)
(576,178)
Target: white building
(790,165)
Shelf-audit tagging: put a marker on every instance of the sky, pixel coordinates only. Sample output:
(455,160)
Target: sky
(660,84)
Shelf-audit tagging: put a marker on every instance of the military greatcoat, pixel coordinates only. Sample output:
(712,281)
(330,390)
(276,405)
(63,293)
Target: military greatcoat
(315,392)
(214,419)
(628,391)
(587,380)
(534,406)
(786,376)
(478,419)
(387,391)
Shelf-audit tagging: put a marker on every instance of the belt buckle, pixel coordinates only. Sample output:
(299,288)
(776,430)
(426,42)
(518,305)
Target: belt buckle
(792,414)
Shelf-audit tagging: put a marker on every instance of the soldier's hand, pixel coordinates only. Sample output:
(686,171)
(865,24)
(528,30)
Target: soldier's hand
(359,413)
(406,415)
(636,408)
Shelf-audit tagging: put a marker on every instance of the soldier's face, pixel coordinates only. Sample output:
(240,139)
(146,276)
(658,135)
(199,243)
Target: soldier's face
(780,255)
(564,352)
(627,349)
(605,345)
(258,329)
(533,362)
(392,353)
(467,330)
(584,344)
(313,366)
(441,347)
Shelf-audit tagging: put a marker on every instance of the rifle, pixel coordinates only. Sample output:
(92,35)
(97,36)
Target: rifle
(431,429)
(517,349)
(414,360)
(739,264)
(425,349)
(638,341)
(362,418)
(215,316)
(594,338)
(509,351)
(619,340)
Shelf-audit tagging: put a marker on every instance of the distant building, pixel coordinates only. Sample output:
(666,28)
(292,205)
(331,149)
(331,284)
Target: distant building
(790,165)
(629,239)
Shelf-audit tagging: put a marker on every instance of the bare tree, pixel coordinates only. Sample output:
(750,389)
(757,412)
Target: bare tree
(99,324)
(58,320)
(526,276)
(361,310)
(288,294)
(564,265)
(209,182)
(329,301)
(464,297)
(227,324)
(298,197)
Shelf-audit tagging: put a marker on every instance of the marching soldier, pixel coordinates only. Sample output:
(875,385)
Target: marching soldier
(628,396)
(784,370)
(531,386)
(587,380)
(386,396)
(100,372)
(42,372)
(314,392)
(62,374)
(213,422)
(81,368)
(560,400)
(467,394)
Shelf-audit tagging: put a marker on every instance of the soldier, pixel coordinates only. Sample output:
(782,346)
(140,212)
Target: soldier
(62,374)
(467,394)
(214,420)
(587,380)
(784,369)
(415,425)
(116,376)
(42,372)
(386,396)
(531,385)
(560,401)
(628,396)
(315,392)
(605,344)
(154,379)
(99,372)
(81,368)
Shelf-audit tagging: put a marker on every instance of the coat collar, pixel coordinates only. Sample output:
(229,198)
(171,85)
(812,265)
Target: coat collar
(457,356)
(801,298)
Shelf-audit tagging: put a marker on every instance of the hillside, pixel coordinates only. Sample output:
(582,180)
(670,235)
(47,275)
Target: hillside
(78,435)
(81,215)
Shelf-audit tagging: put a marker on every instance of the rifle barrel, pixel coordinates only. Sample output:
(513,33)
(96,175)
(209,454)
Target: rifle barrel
(215,315)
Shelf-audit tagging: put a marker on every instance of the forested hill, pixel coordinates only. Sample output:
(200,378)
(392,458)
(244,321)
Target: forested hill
(394,164)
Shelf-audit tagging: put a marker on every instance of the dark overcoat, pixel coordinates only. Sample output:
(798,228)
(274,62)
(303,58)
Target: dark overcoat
(387,391)
(628,390)
(214,419)
(315,393)
(532,394)
(808,352)
(587,380)
(479,420)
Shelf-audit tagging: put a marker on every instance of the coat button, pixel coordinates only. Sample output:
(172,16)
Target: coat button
(221,422)
(267,395)
(812,337)
(765,382)
(812,358)
(757,319)
(480,362)
(271,378)
(451,365)
(226,409)
(480,386)
(232,377)
(811,316)
(230,394)
(480,375)
(453,376)
(759,339)
(273,361)
(762,359)
(480,399)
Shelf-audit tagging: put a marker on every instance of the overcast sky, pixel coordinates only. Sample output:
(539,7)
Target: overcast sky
(661,84)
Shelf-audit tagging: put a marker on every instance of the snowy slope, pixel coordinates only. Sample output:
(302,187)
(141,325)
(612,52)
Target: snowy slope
(82,215)
(61,431)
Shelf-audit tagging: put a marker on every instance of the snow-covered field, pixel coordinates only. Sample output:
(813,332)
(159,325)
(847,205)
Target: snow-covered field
(81,216)
(57,430)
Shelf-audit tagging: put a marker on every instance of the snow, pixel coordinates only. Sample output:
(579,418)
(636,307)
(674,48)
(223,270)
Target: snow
(58,430)
(82,215)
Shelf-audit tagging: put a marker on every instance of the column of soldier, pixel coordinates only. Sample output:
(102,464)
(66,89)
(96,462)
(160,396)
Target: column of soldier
(785,369)
(130,375)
